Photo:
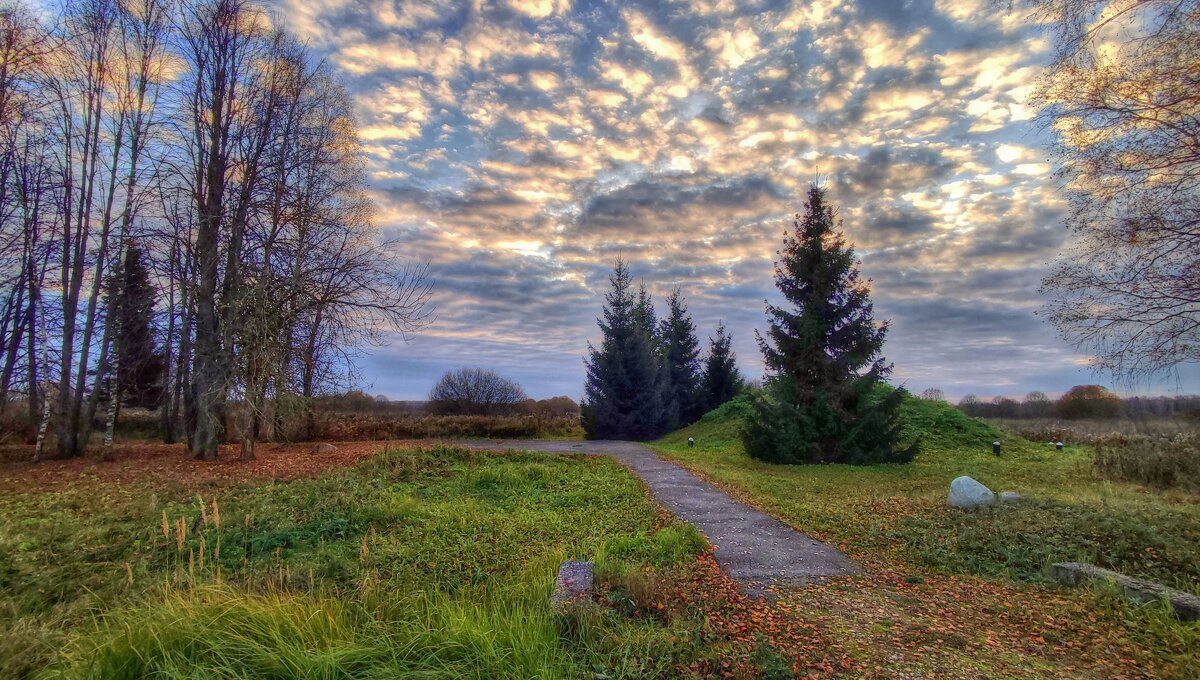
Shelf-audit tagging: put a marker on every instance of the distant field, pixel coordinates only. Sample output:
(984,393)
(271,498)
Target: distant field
(341,426)
(137,425)
(1093,431)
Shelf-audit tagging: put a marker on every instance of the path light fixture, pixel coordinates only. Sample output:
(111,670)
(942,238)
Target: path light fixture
(1058,445)
(996,447)
(691,442)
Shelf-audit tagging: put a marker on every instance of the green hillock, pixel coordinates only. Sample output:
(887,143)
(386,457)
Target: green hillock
(938,424)
(941,426)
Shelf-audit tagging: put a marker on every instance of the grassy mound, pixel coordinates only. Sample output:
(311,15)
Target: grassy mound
(938,424)
(941,426)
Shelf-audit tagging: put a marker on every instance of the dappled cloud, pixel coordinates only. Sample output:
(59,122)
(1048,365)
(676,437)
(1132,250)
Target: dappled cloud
(522,146)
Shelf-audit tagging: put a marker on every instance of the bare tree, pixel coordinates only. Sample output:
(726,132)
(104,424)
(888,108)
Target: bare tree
(1123,96)
(79,80)
(24,185)
(223,41)
(229,155)
(475,391)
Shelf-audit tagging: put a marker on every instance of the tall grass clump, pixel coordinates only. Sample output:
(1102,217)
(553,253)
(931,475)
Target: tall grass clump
(220,631)
(1158,462)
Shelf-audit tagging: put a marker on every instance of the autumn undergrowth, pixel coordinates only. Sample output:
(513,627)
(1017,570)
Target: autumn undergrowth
(417,563)
(897,514)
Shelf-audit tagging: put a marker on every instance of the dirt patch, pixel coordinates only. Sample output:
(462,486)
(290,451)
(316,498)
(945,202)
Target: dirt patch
(171,465)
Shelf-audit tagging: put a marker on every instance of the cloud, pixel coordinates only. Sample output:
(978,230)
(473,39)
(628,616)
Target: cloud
(521,146)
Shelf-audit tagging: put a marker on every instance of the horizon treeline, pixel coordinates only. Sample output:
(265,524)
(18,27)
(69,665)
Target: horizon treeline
(647,378)
(182,205)
(1037,405)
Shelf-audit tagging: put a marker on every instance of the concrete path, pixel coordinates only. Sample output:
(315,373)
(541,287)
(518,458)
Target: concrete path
(750,546)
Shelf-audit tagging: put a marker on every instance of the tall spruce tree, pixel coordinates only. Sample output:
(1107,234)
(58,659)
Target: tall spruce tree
(626,395)
(721,380)
(682,353)
(824,402)
(647,320)
(139,365)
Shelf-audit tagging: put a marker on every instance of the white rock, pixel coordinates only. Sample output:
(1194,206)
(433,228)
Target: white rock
(1010,497)
(969,494)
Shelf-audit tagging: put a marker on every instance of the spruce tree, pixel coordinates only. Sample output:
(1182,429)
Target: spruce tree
(824,402)
(721,380)
(139,365)
(626,377)
(645,316)
(681,350)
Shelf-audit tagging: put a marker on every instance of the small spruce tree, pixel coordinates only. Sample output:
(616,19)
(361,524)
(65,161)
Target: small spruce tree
(721,380)
(682,350)
(626,389)
(139,364)
(824,402)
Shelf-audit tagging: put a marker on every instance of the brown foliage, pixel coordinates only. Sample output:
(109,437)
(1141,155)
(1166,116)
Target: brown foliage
(1088,401)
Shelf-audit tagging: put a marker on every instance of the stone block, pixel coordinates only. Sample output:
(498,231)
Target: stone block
(1186,605)
(574,583)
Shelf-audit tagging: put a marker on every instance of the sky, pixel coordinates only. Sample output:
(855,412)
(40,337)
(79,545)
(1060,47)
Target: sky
(520,147)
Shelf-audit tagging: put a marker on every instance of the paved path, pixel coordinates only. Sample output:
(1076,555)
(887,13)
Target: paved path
(749,545)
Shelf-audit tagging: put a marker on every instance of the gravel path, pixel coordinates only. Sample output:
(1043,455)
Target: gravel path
(750,545)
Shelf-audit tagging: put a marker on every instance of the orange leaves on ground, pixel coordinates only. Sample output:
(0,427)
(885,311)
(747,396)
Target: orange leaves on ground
(752,630)
(171,465)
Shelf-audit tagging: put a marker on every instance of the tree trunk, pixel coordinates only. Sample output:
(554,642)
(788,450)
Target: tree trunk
(39,447)
(164,415)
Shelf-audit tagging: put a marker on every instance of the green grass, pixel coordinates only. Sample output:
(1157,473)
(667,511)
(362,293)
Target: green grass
(900,510)
(438,563)
(895,516)
(418,563)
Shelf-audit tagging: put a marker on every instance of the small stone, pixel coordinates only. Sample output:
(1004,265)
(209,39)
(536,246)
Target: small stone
(1010,497)
(322,448)
(969,494)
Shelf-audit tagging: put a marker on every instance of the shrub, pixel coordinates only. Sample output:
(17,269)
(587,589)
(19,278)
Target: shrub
(1160,462)
(15,425)
(475,391)
(781,430)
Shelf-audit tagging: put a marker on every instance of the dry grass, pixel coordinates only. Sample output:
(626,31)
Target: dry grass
(1156,461)
(374,426)
(1108,432)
